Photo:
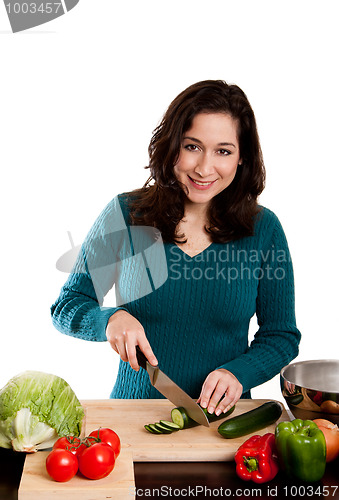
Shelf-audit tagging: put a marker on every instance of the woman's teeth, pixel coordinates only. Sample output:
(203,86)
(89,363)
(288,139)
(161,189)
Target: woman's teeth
(201,183)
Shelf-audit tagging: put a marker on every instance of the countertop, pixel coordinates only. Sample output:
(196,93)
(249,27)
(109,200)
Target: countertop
(190,480)
(198,479)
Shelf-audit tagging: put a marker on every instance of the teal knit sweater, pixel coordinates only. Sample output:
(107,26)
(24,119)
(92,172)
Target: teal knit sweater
(195,310)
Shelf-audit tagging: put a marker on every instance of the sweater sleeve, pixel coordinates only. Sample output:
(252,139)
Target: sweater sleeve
(78,310)
(276,343)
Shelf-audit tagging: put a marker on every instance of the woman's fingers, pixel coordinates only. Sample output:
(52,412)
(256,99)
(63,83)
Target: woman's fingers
(231,397)
(130,350)
(147,350)
(124,333)
(220,391)
(211,392)
(134,339)
(120,347)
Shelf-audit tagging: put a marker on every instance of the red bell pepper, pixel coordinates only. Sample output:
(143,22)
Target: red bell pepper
(256,459)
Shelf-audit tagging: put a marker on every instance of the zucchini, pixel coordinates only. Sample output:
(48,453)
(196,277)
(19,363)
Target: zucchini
(147,427)
(251,421)
(180,417)
(169,425)
(162,428)
(154,429)
(181,420)
(212,417)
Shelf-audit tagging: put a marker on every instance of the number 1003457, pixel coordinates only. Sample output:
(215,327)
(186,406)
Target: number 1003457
(34,8)
(310,491)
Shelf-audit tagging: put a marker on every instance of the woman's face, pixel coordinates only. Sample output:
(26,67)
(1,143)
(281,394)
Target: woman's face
(209,156)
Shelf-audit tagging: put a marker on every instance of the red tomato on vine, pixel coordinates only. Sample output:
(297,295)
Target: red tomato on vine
(61,465)
(97,461)
(108,436)
(70,443)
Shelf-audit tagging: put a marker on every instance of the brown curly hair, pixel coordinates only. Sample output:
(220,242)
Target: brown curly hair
(160,202)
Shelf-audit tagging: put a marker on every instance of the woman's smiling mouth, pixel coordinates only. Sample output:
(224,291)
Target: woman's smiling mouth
(200,184)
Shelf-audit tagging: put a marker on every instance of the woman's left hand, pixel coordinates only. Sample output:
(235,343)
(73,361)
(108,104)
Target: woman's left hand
(220,385)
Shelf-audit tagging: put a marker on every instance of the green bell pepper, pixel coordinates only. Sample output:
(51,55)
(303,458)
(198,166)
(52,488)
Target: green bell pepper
(301,448)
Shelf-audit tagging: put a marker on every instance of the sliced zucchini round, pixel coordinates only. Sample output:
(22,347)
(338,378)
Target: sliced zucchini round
(180,417)
(170,425)
(162,428)
(154,429)
(148,429)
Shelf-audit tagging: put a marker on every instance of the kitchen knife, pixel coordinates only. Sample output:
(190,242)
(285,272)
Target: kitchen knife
(171,391)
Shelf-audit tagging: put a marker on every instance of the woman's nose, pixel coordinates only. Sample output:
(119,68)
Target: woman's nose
(204,166)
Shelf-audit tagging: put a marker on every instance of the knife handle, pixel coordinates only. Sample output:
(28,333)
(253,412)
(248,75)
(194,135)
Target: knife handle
(142,360)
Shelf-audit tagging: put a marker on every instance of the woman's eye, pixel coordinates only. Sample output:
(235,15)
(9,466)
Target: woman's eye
(191,147)
(224,152)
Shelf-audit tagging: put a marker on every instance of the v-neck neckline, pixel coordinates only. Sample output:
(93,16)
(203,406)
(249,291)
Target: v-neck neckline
(196,255)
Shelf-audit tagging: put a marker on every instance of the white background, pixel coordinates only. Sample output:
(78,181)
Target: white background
(79,99)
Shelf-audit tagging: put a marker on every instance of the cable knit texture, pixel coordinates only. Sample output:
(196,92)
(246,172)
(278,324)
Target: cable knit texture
(198,319)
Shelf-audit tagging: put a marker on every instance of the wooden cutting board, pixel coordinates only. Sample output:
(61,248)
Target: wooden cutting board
(198,444)
(127,418)
(37,485)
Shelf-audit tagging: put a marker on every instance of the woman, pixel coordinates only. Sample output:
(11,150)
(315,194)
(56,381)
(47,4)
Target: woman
(226,259)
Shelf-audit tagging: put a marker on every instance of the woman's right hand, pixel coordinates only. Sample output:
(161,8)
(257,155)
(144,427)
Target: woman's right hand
(124,332)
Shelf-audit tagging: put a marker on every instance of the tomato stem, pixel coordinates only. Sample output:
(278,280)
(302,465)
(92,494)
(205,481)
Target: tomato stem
(76,442)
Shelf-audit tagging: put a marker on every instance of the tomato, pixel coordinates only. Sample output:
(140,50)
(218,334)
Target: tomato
(61,465)
(109,437)
(97,461)
(70,443)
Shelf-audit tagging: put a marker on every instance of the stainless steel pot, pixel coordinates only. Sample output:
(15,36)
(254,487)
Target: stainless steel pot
(311,389)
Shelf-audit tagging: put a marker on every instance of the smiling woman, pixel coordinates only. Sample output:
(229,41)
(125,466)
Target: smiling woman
(205,167)
(221,113)
(206,173)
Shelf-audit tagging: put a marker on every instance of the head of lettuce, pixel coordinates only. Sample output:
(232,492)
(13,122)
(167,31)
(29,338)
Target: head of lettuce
(35,409)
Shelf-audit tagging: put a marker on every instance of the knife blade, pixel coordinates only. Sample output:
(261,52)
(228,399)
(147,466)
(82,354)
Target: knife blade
(171,390)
